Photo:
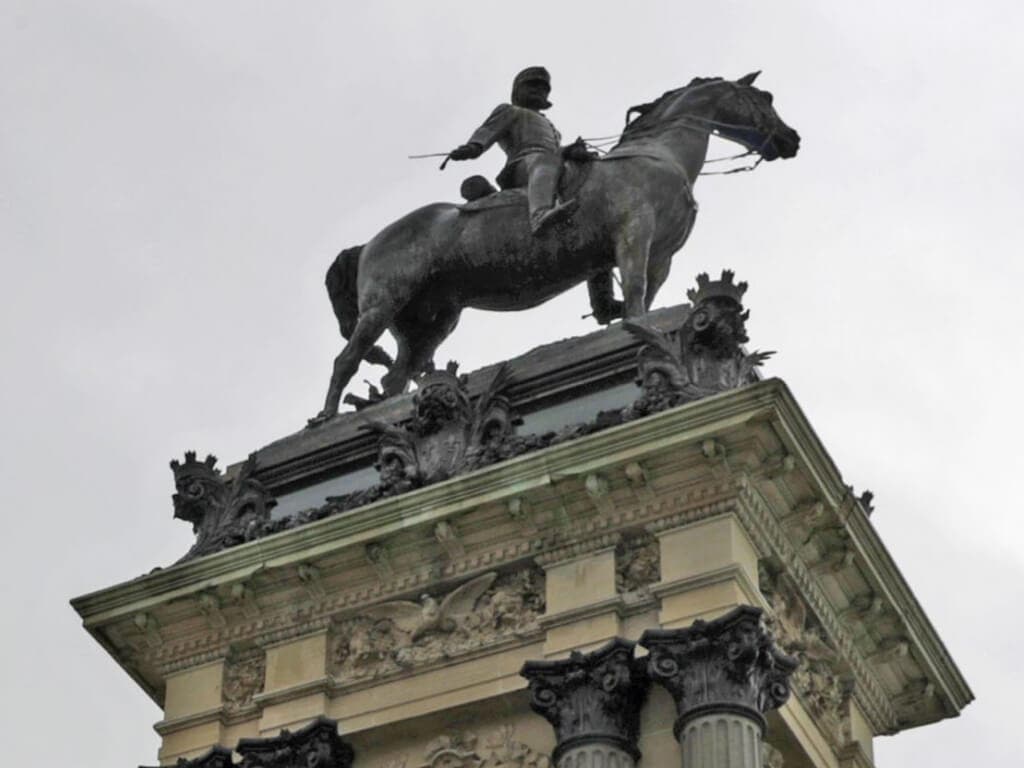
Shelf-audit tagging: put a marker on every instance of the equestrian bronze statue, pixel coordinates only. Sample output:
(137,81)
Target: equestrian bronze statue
(633,209)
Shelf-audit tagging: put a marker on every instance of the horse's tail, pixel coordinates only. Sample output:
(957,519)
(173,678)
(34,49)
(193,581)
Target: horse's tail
(341,288)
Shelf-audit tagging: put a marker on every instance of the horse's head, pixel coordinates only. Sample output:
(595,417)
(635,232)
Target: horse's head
(735,110)
(745,114)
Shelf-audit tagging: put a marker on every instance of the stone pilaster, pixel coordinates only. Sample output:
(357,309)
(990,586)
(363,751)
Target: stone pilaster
(593,701)
(723,675)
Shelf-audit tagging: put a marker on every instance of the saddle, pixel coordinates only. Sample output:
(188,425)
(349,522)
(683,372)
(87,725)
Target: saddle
(481,195)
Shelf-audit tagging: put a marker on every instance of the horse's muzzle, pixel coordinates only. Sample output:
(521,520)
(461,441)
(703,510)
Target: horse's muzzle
(785,144)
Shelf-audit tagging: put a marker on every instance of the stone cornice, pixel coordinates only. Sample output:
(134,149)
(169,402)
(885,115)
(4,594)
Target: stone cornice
(609,448)
(722,488)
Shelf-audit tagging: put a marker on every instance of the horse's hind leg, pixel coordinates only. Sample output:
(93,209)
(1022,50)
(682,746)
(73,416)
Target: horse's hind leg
(368,329)
(418,339)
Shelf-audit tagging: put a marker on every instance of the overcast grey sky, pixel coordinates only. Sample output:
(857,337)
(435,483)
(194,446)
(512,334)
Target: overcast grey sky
(176,177)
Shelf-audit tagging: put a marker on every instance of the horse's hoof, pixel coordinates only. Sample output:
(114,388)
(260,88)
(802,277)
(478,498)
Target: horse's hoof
(321,418)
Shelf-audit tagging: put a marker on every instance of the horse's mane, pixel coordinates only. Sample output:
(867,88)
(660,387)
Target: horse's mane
(651,113)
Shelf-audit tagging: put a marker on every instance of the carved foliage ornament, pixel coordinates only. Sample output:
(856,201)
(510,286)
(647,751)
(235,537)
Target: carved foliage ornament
(637,563)
(591,696)
(499,750)
(223,511)
(704,357)
(390,637)
(818,680)
(729,664)
(243,679)
(318,745)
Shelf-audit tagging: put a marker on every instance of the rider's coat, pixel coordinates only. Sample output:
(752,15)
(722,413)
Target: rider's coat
(521,133)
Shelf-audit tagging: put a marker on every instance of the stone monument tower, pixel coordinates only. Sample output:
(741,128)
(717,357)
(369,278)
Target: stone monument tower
(627,548)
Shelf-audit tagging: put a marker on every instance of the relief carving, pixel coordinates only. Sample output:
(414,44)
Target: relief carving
(499,750)
(243,679)
(819,680)
(390,637)
(702,358)
(637,563)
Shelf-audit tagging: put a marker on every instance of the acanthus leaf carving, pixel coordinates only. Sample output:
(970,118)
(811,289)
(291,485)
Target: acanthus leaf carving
(223,511)
(702,358)
(731,662)
(318,745)
(591,697)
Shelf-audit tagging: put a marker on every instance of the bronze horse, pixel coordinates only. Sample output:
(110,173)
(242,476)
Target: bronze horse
(635,210)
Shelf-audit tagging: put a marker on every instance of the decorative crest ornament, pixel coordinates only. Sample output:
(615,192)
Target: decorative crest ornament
(702,358)
(223,511)
(591,697)
(318,745)
(724,288)
(729,664)
(448,434)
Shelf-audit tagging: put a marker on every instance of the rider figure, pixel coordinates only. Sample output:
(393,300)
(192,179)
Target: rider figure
(531,143)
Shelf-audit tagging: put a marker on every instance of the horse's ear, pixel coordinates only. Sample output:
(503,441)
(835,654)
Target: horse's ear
(748,79)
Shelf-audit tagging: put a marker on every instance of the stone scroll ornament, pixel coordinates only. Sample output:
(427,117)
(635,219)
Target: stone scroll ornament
(729,665)
(591,699)
(702,358)
(448,434)
(318,745)
(224,511)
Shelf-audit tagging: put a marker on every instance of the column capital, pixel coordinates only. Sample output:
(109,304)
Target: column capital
(591,697)
(730,664)
(317,744)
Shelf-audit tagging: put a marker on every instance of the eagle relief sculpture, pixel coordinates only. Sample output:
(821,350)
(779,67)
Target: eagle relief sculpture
(392,636)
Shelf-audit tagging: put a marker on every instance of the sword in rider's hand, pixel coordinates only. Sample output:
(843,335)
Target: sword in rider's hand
(446,155)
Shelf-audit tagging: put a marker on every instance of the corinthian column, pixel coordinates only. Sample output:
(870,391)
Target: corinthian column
(593,701)
(724,675)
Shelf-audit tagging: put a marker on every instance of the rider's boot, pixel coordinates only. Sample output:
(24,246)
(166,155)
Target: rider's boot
(542,217)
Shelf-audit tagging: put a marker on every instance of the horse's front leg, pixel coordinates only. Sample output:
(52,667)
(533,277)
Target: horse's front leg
(605,307)
(632,251)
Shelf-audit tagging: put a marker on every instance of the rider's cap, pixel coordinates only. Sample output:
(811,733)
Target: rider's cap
(528,75)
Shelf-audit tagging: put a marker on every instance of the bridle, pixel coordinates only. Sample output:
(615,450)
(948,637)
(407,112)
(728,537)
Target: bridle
(701,124)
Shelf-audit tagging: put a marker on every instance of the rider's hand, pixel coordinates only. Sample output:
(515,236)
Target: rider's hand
(466,152)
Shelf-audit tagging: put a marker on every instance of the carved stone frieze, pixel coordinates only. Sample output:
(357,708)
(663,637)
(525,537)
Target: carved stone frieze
(819,681)
(702,358)
(499,750)
(591,697)
(318,745)
(637,563)
(243,679)
(390,637)
(730,664)
(223,511)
